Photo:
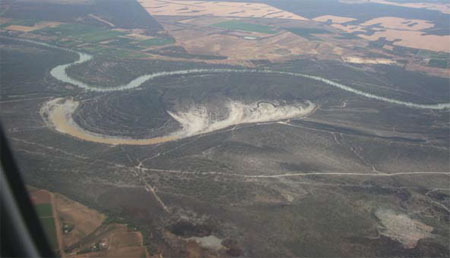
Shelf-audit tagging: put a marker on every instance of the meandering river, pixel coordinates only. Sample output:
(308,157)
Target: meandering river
(58,112)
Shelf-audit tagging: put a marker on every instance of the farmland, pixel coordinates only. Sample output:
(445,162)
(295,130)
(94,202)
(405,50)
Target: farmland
(82,32)
(48,223)
(83,231)
(236,25)
(44,210)
(43,204)
(223,9)
(156,42)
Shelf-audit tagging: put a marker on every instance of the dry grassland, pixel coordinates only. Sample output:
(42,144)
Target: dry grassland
(220,9)
(413,39)
(399,23)
(37,26)
(405,33)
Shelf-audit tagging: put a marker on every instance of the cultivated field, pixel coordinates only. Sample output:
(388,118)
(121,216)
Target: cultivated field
(221,9)
(37,26)
(251,46)
(237,25)
(113,240)
(399,23)
(44,205)
(402,32)
(75,230)
(81,220)
(412,39)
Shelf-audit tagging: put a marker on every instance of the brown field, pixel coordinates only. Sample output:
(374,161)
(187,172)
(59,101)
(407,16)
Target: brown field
(399,23)
(189,22)
(37,26)
(413,39)
(118,241)
(85,220)
(115,240)
(197,36)
(272,47)
(441,72)
(40,196)
(405,32)
(334,19)
(220,9)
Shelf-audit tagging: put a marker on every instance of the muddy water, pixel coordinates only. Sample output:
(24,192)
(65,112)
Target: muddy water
(58,113)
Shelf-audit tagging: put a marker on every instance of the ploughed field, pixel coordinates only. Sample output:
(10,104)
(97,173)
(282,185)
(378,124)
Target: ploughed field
(327,171)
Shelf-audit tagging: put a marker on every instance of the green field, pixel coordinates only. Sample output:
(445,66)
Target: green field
(44,210)
(113,52)
(45,214)
(155,42)
(82,32)
(48,224)
(237,25)
(307,32)
(100,36)
(440,63)
(72,29)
